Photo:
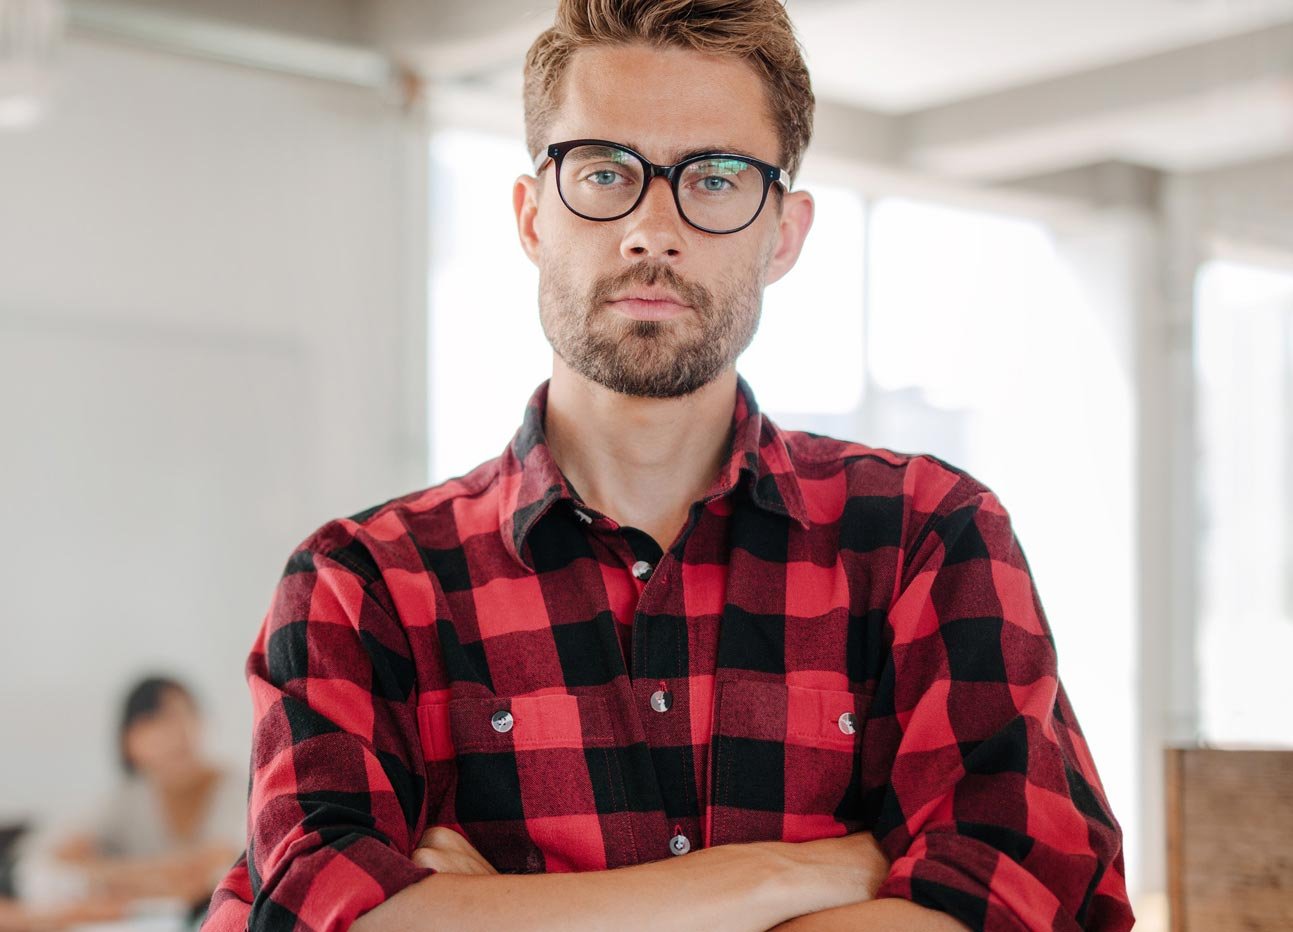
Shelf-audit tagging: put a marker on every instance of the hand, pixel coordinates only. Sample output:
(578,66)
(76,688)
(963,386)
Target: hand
(444,850)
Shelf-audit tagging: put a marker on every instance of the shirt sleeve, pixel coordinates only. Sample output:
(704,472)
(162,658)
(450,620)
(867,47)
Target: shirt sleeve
(338,783)
(986,798)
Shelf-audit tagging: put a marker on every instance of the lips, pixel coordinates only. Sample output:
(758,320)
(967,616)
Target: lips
(651,294)
(649,308)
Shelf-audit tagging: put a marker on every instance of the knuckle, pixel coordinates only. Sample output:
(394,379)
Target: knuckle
(437,836)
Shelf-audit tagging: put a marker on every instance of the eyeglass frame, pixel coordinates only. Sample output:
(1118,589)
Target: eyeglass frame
(771,174)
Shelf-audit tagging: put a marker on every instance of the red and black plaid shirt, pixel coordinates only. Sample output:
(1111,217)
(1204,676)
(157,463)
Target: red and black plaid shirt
(841,638)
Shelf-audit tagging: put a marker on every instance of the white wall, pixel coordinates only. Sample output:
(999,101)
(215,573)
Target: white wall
(212,299)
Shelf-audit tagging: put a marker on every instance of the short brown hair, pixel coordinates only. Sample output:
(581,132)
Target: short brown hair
(756,31)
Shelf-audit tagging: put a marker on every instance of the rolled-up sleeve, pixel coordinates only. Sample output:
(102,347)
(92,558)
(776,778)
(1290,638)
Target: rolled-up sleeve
(986,798)
(338,786)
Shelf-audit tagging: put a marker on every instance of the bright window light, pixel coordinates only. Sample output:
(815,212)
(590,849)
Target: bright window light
(808,354)
(487,350)
(1244,368)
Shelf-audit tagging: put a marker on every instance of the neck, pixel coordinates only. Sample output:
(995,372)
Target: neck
(640,461)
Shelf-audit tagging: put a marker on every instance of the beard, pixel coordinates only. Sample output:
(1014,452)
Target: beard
(650,358)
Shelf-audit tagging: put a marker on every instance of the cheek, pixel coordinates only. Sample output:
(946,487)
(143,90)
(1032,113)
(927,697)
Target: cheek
(145,744)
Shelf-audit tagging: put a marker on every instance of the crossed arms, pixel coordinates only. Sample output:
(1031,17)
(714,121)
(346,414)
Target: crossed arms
(828,883)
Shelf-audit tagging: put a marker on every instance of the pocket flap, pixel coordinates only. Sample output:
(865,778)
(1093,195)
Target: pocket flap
(791,714)
(554,720)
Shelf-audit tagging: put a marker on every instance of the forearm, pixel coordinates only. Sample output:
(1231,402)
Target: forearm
(884,915)
(737,887)
(182,873)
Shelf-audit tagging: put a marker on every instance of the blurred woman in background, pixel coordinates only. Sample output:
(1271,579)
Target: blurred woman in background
(176,819)
(158,843)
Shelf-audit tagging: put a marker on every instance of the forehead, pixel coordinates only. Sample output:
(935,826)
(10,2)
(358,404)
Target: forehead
(173,700)
(664,102)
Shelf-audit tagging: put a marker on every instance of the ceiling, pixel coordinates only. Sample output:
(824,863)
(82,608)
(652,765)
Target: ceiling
(896,56)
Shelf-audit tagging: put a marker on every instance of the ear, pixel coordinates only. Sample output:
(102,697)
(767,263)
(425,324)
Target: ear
(792,229)
(525,204)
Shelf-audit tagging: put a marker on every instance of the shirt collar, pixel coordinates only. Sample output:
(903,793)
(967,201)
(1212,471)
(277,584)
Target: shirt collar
(530,481)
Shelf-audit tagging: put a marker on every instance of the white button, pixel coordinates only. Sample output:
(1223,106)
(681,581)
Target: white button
(587,519)
(501,720)
(848,723)
(679,844)
(661,700)
(641,569)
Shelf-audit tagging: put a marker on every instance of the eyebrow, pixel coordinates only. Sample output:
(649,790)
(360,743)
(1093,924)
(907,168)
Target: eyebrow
(681,155)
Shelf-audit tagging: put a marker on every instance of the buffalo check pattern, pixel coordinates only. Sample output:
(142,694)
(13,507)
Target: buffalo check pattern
(841,638)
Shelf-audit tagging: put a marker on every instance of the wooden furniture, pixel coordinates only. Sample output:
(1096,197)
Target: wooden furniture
(1230,839)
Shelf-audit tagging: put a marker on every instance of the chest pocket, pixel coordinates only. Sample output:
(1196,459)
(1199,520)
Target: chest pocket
(538,784)
(786,762)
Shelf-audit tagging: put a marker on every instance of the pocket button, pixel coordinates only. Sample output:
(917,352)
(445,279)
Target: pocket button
(848,723)
(501,720)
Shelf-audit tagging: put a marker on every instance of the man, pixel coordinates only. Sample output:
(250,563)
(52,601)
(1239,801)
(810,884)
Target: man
(663,664)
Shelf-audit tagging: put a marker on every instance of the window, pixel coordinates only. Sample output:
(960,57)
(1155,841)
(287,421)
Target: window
(487,351)
(1244,371)
(807,360)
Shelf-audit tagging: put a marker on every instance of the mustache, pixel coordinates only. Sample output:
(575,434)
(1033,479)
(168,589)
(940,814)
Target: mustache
(644,273)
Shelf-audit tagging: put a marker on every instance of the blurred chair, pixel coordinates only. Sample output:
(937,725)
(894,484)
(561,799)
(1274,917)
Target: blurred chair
(9,836)
(1230,839)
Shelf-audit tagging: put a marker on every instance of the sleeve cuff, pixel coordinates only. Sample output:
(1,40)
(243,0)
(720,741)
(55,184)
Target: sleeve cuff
(330,888)
(974,884)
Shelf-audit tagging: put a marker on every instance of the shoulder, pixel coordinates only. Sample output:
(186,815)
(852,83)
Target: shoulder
(227,804)
(893,488)
(226,786)
(389,534)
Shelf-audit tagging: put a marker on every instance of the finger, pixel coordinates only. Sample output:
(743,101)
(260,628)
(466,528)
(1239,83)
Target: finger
(438,836)
(448,862)
(449,842)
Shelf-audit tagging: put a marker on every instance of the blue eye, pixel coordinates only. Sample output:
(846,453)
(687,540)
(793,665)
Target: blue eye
(715,184)
(603,178)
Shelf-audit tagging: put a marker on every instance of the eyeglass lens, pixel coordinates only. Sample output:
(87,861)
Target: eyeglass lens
(719,194)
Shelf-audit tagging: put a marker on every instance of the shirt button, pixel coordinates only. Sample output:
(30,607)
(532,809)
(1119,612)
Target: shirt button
(661,700)
(679,844)
(641,569)
(501,720)
(848,723)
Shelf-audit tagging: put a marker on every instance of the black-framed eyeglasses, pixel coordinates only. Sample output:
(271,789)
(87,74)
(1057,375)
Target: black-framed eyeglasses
(715,192)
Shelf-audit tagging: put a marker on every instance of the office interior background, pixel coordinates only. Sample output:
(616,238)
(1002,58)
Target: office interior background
(258,269)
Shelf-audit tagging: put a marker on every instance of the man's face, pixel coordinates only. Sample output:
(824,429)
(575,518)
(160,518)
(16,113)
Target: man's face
(705,290)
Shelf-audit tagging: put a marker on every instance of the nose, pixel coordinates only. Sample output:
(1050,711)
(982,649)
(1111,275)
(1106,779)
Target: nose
(655,230)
